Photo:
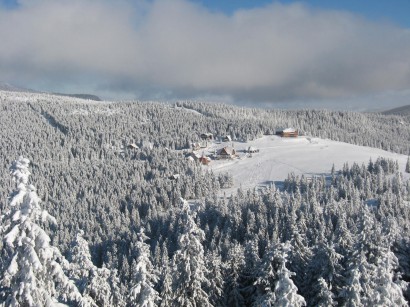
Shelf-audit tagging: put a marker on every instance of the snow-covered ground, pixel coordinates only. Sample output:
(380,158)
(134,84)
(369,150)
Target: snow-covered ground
(280,156)
(187,110)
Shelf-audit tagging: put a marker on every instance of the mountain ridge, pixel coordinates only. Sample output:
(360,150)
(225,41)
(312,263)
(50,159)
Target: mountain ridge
(5,86)
(403,110)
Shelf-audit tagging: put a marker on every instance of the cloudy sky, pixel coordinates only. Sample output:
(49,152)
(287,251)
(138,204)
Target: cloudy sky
(320,53)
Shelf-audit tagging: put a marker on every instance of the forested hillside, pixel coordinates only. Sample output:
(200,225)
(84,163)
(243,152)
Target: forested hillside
(127,233)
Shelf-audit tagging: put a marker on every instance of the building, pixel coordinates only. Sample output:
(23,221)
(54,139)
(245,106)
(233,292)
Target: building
(196,156)
(204,160)
(226,153)
(207,136)
(195,146)
(226,138)
(288,132)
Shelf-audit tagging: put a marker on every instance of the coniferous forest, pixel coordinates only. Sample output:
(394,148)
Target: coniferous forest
(87,220)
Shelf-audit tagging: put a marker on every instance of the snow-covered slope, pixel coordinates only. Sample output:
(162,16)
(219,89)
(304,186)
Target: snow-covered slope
(280,156)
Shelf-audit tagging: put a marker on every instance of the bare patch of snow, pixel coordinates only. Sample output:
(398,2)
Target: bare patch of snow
(188,110)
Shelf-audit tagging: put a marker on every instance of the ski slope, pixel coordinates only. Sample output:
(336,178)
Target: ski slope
(280,156)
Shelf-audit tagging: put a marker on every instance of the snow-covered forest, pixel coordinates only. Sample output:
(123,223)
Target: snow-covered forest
(87,220)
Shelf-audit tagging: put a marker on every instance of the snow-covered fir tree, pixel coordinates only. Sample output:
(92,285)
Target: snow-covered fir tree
(32,272)
(325,297)
(166,287)
(81,263)
(189,268)
(266,278)
(233,267)
(95,284)
(352,292)
(274,283)
(142,293)
(285,292)
(387,291)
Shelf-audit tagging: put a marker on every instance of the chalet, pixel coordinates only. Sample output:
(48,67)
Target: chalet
(226,153)
(226,138)
(288,132)
(207,136)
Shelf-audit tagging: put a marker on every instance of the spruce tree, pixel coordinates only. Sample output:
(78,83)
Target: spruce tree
(325,297)
(81,264)
(32,273)
(285,292)
(274,284)
(352,292)
(215,290)
(142,292)
(166,287)
(233,268)
(266,278)
(189,263)
(387,291)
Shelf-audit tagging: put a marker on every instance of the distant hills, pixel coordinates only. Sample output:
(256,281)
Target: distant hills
(404,110)
(4,86)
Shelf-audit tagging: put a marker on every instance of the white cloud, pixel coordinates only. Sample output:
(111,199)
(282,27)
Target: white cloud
(179,49)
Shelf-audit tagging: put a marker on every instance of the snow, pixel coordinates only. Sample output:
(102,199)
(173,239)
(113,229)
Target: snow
(280,156)
(102,110)
(10,238)
(13,267)
(188,110)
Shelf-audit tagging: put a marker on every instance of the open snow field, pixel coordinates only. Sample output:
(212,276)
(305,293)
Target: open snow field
(303,155)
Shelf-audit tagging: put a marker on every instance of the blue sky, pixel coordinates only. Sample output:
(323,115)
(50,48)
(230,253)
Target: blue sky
(393,11)
(338,54)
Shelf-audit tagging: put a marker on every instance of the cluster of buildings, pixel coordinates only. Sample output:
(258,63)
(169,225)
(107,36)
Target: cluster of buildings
(227,152)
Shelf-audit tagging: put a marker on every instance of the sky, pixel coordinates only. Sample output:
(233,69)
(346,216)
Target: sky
(294,54)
